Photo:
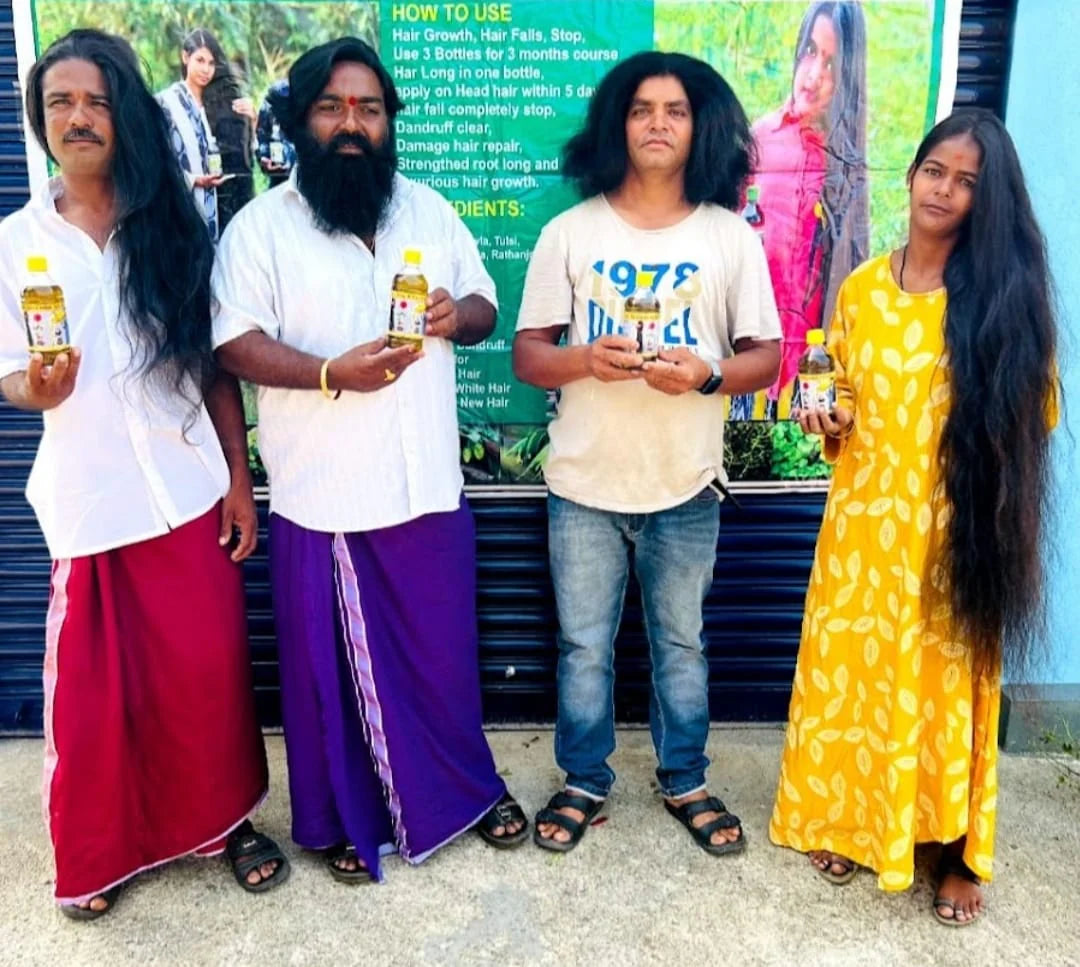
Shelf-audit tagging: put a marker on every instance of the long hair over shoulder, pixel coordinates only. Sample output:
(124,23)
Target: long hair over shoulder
(722,150)
(1001,340)
(844,233)
(310,74)
(165,251)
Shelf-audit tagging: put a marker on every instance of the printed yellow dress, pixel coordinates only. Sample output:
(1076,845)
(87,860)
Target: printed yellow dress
(891,738)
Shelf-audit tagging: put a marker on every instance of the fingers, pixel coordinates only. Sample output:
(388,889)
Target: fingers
(370,348)
(440,317)
(440,301)
(624,344)
(72,369)
(678,355)
(33,370)
(249,538)
(668,377)
(828,424)
(397,358)
(228,515)
(613,367)
(55,380)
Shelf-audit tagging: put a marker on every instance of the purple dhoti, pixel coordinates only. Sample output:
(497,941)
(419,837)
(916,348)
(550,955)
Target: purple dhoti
(380,686)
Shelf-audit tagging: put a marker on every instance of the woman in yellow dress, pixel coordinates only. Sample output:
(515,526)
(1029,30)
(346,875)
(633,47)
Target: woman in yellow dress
(927,575)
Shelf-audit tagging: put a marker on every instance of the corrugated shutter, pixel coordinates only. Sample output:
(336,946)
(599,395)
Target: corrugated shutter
(986,29)
(752,615)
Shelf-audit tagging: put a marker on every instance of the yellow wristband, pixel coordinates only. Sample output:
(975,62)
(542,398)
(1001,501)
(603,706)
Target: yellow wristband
(326,391)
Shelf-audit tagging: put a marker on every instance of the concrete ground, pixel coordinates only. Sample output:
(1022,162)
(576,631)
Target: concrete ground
(635,892)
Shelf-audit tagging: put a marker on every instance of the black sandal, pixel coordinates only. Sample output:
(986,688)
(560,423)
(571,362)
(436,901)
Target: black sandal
(576,828)
(503,813)
(247,849)
(74,912)
(953,865)
(346,851)
(702,835)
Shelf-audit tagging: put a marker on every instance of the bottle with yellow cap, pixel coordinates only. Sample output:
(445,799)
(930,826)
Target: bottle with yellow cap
(641,317)
(817,375)
(408,302)
(44,311)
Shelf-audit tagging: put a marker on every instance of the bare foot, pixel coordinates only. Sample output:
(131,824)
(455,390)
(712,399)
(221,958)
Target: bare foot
(345,865)
(264,872)
(349,862)
(959,897)
(98,904)
(720,836)
(832,863)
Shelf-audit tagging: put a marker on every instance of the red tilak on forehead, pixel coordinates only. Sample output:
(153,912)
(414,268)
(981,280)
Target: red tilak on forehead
(352,101)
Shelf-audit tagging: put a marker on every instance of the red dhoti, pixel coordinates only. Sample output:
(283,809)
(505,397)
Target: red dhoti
(152,749)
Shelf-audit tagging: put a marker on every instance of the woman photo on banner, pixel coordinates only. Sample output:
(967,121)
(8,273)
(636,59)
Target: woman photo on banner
(810,187)
(201,57)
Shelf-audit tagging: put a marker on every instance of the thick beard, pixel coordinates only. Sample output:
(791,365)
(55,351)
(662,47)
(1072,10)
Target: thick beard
(348,193)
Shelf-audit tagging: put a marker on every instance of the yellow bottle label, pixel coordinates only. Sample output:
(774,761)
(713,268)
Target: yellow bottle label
(644,326)
(817,391)
(46,321)
(406,317)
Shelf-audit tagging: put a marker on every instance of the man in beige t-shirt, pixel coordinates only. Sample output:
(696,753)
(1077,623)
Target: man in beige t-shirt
(636,444)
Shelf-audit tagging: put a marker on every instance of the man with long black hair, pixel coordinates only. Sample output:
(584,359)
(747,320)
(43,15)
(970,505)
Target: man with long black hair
(637,445)
(372,556)
(152,747)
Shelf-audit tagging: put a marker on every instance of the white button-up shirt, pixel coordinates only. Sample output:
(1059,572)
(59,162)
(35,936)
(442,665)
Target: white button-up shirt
(115,464)
(366,460)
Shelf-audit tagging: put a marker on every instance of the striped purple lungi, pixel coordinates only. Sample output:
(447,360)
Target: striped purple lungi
(380,685)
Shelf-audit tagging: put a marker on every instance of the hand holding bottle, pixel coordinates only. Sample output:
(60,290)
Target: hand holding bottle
(611,358)
(441,318)
(370,366)
(46,386)
(824,422)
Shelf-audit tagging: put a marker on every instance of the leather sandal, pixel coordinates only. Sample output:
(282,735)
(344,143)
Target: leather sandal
(702,835)
(576,828)
(335,854)
(247,849)
(503,813)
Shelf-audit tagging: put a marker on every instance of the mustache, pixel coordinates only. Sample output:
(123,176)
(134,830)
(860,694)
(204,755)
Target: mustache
(83,134)
(349,140)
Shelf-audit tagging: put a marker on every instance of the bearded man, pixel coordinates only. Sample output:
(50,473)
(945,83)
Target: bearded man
(372,549)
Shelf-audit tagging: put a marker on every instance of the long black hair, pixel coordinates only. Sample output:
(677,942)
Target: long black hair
(310,74)
(197,39)
(1001,339)
(165,248)
(844,232)
(722,150)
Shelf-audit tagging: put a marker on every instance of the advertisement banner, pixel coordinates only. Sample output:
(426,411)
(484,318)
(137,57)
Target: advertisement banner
(838,93)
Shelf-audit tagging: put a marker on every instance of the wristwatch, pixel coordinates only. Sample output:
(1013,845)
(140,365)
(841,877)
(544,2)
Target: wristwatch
(712,384)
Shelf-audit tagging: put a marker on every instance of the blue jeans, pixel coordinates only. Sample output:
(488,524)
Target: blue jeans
(674,554)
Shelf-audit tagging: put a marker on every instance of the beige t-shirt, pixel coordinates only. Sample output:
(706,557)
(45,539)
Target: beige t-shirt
(624,446)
